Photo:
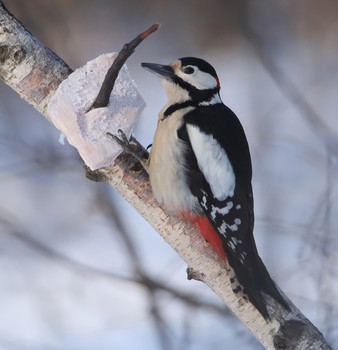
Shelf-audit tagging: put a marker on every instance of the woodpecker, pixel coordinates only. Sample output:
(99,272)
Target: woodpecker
(200,169)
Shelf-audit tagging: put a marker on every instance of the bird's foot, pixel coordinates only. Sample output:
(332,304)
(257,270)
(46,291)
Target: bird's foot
(132,147)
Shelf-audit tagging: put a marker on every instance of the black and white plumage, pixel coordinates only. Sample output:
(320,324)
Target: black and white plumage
(200,167)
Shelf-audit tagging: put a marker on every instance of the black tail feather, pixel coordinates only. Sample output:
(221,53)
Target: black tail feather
(269,287)
(255,281)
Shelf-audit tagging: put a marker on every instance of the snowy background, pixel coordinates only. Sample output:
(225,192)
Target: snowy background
(76,261)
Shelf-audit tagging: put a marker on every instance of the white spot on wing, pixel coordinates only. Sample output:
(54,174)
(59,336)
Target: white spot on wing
(233,243)
(232,246)
(204,202)
(222,229)
(242,257)
(233,227)
(213,162)
(222,211)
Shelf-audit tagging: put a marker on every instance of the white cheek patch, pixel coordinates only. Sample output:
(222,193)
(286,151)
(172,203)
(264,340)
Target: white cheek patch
(174,92)
(201,80)
(213,163)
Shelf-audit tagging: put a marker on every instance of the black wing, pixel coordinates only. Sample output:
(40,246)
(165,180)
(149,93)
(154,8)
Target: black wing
(232,216)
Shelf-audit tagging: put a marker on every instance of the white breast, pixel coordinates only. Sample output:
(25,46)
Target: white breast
(166,167)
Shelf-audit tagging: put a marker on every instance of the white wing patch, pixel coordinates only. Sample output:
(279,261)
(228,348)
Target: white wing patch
(213,163)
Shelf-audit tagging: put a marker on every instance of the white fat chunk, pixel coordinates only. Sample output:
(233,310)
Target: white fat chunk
(86,131)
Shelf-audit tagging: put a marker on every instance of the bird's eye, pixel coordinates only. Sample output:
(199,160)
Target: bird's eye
(188,70)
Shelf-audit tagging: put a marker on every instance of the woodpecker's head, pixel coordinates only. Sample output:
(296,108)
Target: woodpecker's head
(188,78)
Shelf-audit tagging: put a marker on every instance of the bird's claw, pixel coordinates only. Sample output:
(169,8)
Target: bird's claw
(122,140)
(131,147)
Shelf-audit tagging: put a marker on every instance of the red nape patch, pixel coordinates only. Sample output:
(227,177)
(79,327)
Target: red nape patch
(218,83)
(207,231)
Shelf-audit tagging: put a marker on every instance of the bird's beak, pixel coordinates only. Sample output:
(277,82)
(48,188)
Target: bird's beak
(161,70)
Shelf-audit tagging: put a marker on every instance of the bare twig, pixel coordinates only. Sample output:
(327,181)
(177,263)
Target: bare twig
(285,83)
(75,265)
(128,49)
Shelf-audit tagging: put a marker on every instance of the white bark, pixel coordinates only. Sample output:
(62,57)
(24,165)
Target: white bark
(35,73)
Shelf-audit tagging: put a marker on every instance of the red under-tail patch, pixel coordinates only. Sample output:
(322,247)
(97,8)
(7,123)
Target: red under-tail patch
(207,231)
